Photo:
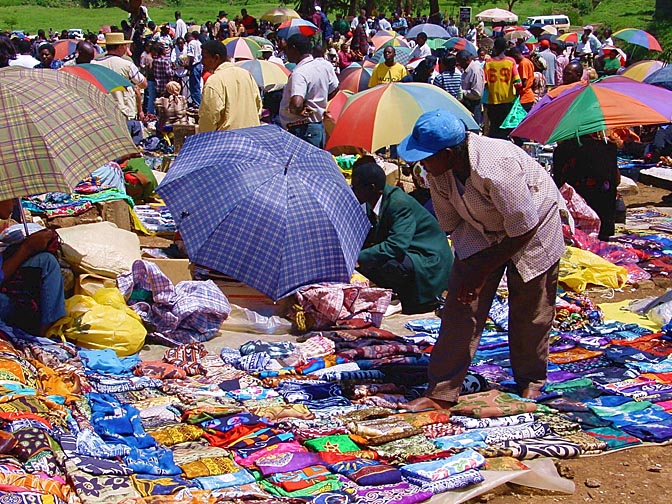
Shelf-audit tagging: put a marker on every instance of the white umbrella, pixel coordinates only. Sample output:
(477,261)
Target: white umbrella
(497,16)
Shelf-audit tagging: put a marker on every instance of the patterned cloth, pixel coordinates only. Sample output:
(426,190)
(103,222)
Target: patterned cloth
(443,468)
(367,472)
(461,480)
(550,446)
(483,423)
(379,431)
(492,403)
(189,312)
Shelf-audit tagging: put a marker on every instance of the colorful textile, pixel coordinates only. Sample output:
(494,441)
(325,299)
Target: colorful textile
(192,311)
(237,478)
(338,443)
(470,439)
(367,472)
(148,485)
(209,466)
(549,446)
(483,423)
(614,437)
(159,369)
(586,442)
(461,480)
(658,432)
(424,418)
(187,357)
(443,468)
(492,403)
(496,435)
(186,453)
(383,430)
(275,349)
(181,433)
(101,489)
(288,447)
(286,462)
(301,478)
(278,413)
(308,390)
(398,451)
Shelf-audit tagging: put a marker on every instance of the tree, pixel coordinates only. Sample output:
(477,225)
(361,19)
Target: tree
(663,10)
(434,12)
(510,4)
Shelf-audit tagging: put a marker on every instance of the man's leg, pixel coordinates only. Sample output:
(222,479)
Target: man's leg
(52,297)
(531,313)
(313,133)
(195,84)
(398,276)
(461,328)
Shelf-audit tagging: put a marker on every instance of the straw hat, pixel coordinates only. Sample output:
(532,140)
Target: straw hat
(116,39)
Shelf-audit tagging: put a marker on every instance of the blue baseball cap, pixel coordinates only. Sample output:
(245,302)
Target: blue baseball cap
(433,132)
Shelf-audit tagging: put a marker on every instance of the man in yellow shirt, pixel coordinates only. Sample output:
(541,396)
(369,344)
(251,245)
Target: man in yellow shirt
(387,70)
(502,81)
(231,97)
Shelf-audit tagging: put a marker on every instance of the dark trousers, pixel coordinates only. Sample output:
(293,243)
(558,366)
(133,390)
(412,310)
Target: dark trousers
(398,276)
(496,115)
(313,133)
(531,312)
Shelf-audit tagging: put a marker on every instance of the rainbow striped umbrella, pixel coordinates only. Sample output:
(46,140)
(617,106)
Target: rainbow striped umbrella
(64,48)
(610,103)
(642,69)
(638,37)
(569,37)
(102,77)
(269,76)
(402,55)
(385,114)
(294,26)
(383,38)
(355,78)
(460,44)
(242,48)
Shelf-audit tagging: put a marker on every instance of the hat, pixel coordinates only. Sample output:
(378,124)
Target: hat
(266,48)
(433,132)
(545,43)
(116,39)
(332,51)
(588,27)
(318,8)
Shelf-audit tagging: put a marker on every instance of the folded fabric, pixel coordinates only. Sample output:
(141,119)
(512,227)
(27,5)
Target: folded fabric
(549,446)
(496,435)
(383,430)
(258,441)
(289,447)
(277,413)
(337,443)
(367,472)
(614,437)
(587,443)
(159,369)
(492,403)
(169,436)
(308,390)
(237,478)
(227,423)
(275,349)
(573,355)
(209,466)
(301,479)
(653,432)
(185,453)
(443,468)
(148,485)
(286,462)
(106,361)
(504,464)
(424,418)
(483,423)
(320,487)
(470,439)
(438,430)
(101,489)
(252,393)
(399,450)
(461,480)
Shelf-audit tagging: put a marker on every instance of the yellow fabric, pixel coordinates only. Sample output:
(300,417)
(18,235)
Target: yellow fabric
(617,311)
(580,268)
(230,100)
(382,74)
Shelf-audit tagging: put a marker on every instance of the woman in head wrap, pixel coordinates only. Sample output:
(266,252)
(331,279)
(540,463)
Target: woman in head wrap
(172,107)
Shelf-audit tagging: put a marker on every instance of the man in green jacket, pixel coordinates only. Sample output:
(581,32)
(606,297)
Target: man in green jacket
(405,251)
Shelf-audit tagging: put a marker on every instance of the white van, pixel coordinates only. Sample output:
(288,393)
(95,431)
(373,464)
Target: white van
(560,21)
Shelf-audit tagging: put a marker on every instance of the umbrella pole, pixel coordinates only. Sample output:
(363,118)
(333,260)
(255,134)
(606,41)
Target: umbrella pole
(23,218)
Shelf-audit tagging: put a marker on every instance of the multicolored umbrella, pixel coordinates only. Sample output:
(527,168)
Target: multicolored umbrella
(242,48)
(516,34)
(64,48)
(355,78)
(266,208)
(460,44)
(54,129)
(402,55)
(334,109)
(429,29)
(280,14)
(642,69)
(436,43)
(661,78)
(383,38)
(569,37)
(385,114)
(294,26)
(262,41)
(269,76)
(102,77)
(638,37)
(497,16)
(612,102)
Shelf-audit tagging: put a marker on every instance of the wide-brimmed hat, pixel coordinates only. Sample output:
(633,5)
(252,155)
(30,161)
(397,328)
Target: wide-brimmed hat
(266,48)
(116,39)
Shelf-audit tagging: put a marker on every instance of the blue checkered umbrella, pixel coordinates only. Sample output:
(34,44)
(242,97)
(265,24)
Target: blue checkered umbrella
(266,208)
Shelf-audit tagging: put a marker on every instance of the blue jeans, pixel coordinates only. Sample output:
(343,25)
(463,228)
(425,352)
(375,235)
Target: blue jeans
(313,133)
(195,84)
(151,96)
(52,297)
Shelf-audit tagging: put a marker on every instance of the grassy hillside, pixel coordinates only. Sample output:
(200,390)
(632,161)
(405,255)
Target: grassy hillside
(30,15)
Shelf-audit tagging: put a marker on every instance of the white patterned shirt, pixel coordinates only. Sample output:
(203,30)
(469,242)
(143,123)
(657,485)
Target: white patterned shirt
(506,195)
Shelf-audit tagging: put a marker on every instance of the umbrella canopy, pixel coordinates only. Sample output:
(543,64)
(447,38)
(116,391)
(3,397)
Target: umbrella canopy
(661,78)
(516,34)
(102,77)
(402,55)
(588,108)
(334,109)
(262,41)
(383,38)
(497,16)
(269,76)
(242,48)
(385,114)
(569,37)
(355,78)
(280,14)
(642,69)
(294,26)
(638,37)
(55,128)
(459,44)
(436,43)
(64,48)
(266,208)
(431,30)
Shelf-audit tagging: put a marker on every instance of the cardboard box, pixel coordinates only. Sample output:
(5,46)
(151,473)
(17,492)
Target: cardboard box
(177,270)
(245,296)
(117,212)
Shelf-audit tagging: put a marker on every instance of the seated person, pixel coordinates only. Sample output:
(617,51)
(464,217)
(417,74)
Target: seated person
(405,251)
(31,285)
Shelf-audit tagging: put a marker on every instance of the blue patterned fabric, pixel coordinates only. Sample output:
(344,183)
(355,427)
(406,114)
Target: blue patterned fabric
(266,208)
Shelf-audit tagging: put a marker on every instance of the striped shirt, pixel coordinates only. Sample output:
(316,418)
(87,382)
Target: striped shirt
(450,82)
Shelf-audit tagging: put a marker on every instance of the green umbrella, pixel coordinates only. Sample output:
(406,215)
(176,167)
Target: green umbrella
(436,43)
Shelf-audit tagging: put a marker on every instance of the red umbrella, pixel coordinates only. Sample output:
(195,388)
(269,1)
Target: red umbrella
(64,48)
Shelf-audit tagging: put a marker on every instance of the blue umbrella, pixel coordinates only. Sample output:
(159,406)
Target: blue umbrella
(431,30)
(265,208)
(661,78)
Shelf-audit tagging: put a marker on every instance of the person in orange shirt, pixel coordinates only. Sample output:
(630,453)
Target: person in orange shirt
(526,73)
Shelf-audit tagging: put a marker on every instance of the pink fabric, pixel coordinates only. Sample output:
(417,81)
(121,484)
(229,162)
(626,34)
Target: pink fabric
(585,217)
(330,304)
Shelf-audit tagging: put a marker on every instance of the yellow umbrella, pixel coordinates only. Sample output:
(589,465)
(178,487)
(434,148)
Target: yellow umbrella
(280,14)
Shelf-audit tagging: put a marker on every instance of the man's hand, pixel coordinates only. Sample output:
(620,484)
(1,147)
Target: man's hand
(38,242)
(470,276)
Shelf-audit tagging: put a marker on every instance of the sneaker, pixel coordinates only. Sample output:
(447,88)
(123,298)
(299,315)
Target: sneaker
(394,307)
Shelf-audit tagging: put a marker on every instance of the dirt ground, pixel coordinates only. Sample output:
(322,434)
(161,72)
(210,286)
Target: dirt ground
(641,475)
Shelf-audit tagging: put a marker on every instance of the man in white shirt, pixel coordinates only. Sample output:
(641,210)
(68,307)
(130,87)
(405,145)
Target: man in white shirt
(195,68)
(421,49)
(383,23)
(180,26)
(24,59)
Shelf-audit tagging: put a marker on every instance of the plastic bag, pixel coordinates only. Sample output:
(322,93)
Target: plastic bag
(515,115)
(579,268)
(101,321)
(244,320)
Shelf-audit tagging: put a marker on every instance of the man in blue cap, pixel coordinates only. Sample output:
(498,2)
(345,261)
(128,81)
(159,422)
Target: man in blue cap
(502,211)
